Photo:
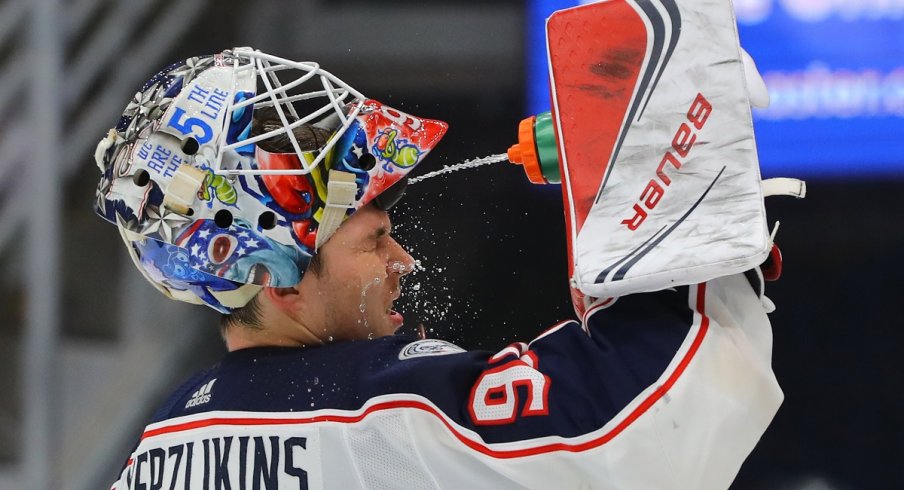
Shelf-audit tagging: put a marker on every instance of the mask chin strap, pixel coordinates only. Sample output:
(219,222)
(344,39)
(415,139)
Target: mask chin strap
(340,197)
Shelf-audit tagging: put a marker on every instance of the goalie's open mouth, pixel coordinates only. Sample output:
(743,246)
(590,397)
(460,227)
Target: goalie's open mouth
(396,317)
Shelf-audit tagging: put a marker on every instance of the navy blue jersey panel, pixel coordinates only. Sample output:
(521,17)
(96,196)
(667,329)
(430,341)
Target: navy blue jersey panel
(591,378)
(637,337)
(628,349)
(171,407)
(340,376)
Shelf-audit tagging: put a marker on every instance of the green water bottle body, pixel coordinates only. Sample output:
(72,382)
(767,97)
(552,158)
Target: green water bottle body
(547,153)
(536,149)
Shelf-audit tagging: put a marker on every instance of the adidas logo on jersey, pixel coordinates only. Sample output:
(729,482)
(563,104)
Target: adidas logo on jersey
(201,396)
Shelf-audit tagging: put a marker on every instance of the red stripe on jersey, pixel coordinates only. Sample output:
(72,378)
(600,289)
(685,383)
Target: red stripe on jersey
(597,307)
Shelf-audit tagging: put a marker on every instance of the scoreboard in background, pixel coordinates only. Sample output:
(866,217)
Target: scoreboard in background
(835,72)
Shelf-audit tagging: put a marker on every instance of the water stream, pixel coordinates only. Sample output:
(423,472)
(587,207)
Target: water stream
(473,163)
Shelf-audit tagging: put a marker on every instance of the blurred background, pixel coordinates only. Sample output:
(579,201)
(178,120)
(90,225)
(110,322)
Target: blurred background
(87,349)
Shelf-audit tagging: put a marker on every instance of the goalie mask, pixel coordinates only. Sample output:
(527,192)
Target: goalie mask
(208,215)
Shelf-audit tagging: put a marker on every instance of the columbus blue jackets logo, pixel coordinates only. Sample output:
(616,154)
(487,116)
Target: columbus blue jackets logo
(428,347)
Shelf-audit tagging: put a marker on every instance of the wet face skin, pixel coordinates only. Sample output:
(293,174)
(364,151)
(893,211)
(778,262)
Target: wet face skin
(348,297)
(362,267)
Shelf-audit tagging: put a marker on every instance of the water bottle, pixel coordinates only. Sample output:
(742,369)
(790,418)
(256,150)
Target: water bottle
(536,149)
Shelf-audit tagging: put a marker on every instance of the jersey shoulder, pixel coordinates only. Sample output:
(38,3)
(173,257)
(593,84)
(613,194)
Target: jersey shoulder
(340,376)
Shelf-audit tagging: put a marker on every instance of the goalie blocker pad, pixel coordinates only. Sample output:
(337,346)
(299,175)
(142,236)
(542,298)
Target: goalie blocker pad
(660,175)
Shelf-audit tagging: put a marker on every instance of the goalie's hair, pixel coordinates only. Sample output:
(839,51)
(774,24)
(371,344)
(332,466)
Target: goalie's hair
(310,138)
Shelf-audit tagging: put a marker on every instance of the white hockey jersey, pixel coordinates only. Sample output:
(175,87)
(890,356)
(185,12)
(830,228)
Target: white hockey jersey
(664,390)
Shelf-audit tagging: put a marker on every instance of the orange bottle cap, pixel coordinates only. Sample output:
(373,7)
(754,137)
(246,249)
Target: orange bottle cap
(525,151)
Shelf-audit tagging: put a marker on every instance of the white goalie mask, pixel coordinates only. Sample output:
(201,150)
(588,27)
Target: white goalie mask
(207,214)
